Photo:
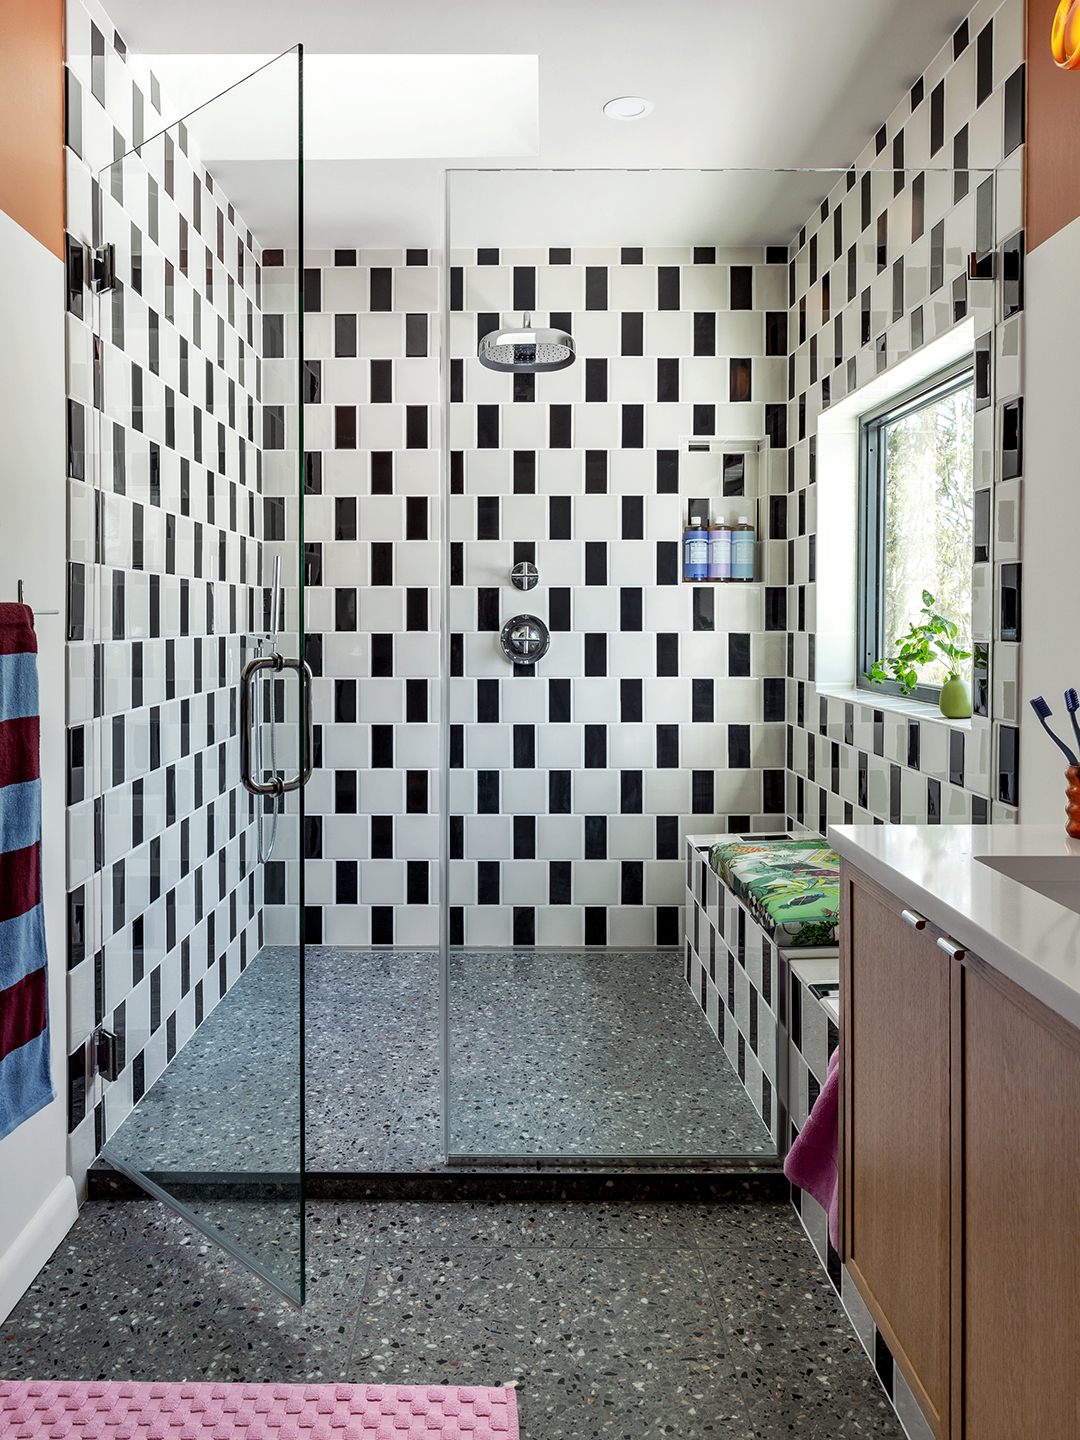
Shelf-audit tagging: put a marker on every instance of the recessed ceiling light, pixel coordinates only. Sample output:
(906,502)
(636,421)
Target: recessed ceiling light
(628,107)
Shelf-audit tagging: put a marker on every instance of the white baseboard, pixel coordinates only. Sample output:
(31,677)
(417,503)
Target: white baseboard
(35,1243)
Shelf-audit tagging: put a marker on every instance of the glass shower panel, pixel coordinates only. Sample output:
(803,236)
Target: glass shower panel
(203,745)
(715,315)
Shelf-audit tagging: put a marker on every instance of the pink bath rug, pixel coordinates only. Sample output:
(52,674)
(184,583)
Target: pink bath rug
(87,1410)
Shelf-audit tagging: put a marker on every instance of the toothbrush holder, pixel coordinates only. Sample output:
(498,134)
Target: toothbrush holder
(1072,801)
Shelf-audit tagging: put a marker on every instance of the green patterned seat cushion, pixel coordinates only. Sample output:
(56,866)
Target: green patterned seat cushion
(790,887)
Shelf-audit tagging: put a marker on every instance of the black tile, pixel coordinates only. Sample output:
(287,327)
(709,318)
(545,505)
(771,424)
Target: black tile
(632,883)
(595,837)
(487,427)
(559,513)
(525,747)
(559,256)
(595,925)
(487,256)
(344,792)
(630,701)
(596,287)
(524,472)
(937,117)
(741,280)
(632,255)
(703,705)
(633,427)
(775,607)
(487,702)
(559,792)
(487,792)
(524,837)
(487,882)
(667,381)
(956,757)
(559,882)
(738,737)
(381,291)
(596,472)
(524,925)
(487,608)
(633,517)
(667,287)
(633,333)
(667,653)
(595,747)
(703,788)
(667,562)
(914,743)
(704,608)
(667,472)
(667,747)
(559,702)
(382,562)
(560,427)
(525,287)
(667,837)
(596,654)
(596,380)
(382,656)
(487,517)
(559,608)
(738,653)
(631,792)
(631,608)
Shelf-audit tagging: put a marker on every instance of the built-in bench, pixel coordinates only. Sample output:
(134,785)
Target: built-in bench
(741,977)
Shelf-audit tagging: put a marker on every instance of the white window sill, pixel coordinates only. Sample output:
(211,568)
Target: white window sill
(893,704)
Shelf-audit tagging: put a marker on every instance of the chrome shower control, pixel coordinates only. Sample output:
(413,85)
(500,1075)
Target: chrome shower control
(524,575)
(524,639)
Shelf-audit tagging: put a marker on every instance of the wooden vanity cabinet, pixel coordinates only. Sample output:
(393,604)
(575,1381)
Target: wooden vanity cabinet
(960,1198)
(897,1196)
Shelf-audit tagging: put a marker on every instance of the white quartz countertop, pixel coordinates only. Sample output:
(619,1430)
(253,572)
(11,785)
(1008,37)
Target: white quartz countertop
(1008,893)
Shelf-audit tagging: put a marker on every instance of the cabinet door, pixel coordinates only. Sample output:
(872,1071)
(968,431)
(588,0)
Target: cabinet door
(896,1118)
(1021,1215)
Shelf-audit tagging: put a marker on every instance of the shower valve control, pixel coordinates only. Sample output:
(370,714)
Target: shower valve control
(525,640)
(524,575)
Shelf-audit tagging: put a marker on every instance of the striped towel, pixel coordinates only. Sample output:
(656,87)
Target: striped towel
(25,1080)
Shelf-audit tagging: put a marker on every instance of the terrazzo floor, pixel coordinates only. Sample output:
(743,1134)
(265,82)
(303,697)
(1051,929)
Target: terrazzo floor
(552,1053)
(630,1320)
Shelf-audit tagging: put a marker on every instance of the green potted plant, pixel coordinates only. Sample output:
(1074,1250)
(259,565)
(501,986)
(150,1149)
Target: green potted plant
(928,640)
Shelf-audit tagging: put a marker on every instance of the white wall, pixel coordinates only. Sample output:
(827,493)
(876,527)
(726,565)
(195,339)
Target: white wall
(37,1197)
(1051,526)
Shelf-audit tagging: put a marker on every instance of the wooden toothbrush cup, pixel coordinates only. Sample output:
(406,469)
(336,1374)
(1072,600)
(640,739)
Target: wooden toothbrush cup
(1072,801)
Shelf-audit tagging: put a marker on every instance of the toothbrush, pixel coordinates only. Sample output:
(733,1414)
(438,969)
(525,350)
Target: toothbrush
(1072,704)
(1042,710)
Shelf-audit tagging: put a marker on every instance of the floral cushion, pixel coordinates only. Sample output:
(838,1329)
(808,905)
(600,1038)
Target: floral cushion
(790,887)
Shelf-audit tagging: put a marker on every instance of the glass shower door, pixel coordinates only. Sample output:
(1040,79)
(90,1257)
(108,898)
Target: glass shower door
(204,736)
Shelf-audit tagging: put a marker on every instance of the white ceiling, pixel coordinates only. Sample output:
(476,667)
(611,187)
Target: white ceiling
(735,83)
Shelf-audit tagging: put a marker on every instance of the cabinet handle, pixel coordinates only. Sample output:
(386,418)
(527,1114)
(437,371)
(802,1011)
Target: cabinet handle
(957,952)
(915,921)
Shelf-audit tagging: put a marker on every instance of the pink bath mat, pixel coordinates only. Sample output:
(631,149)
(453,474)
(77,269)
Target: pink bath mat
(85,1410)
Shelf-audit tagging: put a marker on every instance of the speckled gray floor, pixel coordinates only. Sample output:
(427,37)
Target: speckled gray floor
(631,1321)
(551,1053)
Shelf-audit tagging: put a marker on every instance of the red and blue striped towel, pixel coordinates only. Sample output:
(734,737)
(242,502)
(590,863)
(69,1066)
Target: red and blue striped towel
(25,1078)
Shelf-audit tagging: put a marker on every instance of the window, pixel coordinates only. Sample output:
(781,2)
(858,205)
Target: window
(916,520)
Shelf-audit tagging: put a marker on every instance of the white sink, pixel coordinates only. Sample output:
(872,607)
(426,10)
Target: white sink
(1055,876)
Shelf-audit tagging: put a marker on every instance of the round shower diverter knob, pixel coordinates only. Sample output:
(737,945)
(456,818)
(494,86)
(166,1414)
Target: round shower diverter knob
(525,639)
(524,575)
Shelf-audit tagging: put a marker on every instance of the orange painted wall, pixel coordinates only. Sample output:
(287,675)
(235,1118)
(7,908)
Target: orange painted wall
(32,117)
(1053,132)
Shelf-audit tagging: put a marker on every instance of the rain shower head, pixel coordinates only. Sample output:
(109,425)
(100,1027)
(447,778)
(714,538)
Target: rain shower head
(527,351)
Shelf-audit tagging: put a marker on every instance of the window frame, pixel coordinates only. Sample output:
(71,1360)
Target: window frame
(870,619)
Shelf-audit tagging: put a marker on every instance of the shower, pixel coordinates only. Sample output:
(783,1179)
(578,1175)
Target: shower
(528,351)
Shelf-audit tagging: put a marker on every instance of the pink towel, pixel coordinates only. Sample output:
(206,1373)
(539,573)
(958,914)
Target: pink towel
(813,1160)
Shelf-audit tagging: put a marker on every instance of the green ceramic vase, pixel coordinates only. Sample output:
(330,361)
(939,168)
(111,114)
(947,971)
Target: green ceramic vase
(955,702)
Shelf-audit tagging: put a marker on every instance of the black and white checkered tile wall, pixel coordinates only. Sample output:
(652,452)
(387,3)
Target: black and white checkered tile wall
(372,570)
(658,708)
(165,519)
(879,271)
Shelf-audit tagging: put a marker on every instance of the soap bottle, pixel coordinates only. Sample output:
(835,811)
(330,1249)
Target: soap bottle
(695,551)
(719,551)
(742,550)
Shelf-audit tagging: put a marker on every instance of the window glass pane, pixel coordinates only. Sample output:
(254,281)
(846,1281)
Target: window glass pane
(928,519)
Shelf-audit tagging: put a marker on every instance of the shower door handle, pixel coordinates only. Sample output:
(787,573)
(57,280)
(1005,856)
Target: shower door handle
(276,785)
